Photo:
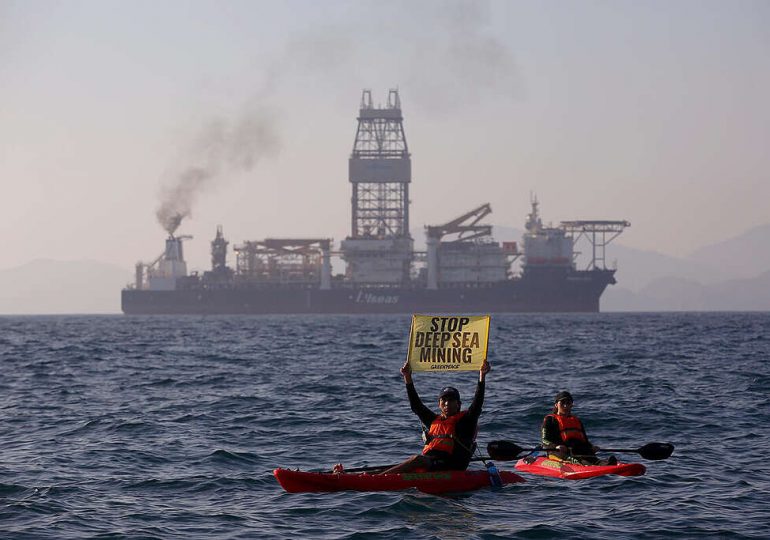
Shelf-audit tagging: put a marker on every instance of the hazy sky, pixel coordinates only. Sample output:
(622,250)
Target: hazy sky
(657,112)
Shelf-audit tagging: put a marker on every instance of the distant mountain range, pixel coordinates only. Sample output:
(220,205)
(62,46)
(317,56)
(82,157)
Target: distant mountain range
(732,275)
(682,294)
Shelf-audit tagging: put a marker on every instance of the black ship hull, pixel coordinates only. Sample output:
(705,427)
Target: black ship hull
(551,290)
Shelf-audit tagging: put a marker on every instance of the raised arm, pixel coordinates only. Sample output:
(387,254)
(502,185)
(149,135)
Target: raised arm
(406,371)
(478,399)
(485,368)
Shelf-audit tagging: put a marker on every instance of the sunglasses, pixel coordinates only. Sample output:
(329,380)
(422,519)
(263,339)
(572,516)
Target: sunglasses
(565,401)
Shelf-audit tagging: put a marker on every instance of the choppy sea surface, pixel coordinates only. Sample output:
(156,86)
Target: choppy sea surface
(170,427)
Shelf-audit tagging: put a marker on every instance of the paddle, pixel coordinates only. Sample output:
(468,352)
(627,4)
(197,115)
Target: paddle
(653,451)
(501,454)
(500,450)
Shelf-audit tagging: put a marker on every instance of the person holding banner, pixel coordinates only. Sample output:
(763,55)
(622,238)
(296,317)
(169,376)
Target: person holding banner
(451,434)
(563,434)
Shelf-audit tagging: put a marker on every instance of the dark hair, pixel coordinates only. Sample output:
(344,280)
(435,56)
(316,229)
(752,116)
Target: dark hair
(563,395)
(450,392)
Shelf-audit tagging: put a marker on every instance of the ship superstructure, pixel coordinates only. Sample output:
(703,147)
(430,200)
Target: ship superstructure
(462,269)
(162,274)
(462,253)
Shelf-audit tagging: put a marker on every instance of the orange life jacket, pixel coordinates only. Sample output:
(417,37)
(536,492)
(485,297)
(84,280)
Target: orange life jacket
(441,435)
(570,428)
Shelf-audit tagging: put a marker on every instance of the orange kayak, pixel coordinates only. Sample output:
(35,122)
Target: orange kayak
(546,466)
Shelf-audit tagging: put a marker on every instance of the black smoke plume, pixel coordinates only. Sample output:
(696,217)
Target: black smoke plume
(222,148)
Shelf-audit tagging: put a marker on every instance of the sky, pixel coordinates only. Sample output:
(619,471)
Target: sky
(654,112)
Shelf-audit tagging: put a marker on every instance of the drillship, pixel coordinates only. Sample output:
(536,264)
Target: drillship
(462,269)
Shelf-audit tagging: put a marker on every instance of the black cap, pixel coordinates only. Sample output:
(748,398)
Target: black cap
(563,395)
(449,392)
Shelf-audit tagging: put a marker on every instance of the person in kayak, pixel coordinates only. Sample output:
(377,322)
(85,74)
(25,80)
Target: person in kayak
(451,434)
(563,434)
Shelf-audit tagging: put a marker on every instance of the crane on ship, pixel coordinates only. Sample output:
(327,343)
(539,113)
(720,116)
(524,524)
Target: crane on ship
(465,231)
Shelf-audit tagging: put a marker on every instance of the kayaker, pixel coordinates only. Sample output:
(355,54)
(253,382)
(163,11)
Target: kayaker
(565,437)
(451,434)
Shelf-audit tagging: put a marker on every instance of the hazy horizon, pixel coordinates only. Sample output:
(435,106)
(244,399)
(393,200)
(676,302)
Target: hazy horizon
(652,112)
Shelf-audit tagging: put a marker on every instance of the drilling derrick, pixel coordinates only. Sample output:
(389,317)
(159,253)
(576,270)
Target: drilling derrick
(379,248)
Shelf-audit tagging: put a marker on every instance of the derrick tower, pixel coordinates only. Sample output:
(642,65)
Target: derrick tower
(379,248)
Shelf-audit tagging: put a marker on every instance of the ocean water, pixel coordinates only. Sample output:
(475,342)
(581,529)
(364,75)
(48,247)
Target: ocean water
(170,427)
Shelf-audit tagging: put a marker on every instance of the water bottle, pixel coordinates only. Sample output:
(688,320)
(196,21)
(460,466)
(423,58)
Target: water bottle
(494,475)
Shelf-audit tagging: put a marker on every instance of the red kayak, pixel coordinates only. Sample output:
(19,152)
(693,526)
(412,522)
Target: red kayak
(546,466)
(296,481)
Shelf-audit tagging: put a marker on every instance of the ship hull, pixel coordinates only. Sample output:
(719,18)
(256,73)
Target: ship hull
(541,291)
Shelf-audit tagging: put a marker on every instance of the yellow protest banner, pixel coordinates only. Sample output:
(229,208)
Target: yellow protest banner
(448,342)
